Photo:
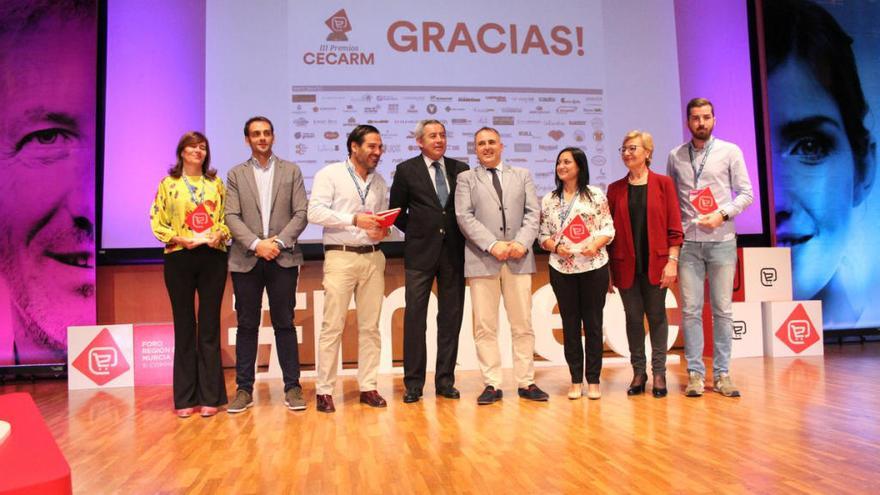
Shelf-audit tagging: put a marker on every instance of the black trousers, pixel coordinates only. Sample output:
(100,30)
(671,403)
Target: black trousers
(581,299)
(640,300)
(450,308)
(198,372)
(280,284)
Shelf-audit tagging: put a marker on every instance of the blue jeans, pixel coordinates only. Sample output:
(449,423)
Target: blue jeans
(718,261)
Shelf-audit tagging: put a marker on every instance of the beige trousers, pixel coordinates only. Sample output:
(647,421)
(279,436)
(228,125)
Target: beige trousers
(364,275)
(485,295)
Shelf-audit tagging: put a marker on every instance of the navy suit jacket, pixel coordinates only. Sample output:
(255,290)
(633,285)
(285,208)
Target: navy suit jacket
(422,218)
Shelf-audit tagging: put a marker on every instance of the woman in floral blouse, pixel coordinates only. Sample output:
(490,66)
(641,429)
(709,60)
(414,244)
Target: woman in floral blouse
(575,227)
(187,215)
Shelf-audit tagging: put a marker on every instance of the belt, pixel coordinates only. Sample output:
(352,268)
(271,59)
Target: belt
(367,249)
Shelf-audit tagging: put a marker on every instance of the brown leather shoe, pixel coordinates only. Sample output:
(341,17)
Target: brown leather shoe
(373,399)
(325,403)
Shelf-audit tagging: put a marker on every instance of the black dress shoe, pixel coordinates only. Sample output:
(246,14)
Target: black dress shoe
(637,386)
(659,388)
(412,395)
(489,395)
(449,393)
(532,392)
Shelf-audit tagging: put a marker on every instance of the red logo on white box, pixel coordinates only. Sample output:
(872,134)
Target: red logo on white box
(798,331)
(101,360)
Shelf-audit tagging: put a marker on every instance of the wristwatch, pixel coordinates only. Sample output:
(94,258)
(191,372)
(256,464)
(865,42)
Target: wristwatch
(724,215)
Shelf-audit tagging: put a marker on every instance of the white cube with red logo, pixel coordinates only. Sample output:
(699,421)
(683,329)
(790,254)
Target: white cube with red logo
(100,356)
(793,328)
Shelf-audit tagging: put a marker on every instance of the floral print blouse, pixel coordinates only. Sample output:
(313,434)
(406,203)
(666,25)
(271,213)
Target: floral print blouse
(595,215)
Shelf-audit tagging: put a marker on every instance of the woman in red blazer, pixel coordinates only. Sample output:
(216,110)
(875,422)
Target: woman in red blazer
(644,255)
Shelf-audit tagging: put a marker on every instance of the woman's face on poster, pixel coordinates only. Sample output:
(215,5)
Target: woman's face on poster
(814,175)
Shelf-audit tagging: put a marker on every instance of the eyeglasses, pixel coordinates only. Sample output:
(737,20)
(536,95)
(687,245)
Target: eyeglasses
(631,148)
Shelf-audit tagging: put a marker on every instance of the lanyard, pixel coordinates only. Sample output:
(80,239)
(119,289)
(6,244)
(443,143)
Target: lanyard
(698,173)
(361,192)
(192,191)
(563,211)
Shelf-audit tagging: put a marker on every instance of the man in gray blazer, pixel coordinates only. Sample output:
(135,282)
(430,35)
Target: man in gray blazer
(266,212)
(498,213)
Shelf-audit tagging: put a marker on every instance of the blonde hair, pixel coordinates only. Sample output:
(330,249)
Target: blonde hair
(647,142)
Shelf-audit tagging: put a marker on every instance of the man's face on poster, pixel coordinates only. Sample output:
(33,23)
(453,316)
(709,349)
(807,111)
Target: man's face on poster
(47,148)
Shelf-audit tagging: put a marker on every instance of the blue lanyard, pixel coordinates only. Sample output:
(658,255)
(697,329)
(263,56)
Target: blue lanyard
(698,173)
(192,191)
(563,211)
(361,192)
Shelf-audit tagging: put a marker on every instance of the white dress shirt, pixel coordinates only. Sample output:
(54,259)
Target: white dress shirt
(433,172)
(264,177)
(335,200)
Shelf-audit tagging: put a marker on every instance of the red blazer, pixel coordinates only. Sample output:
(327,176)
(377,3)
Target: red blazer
(664,229)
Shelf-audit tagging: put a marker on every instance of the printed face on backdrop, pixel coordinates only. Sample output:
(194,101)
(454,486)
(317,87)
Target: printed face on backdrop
(814,177)
(433,141)
(47,139)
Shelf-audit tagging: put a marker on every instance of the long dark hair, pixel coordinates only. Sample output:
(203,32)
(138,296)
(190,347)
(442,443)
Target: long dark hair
(193,137)
(583,179)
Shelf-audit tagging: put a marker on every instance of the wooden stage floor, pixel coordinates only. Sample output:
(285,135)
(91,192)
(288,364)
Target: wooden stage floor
(803,425)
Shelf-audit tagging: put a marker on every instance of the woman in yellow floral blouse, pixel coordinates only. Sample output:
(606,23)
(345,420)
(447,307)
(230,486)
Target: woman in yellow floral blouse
(187,215)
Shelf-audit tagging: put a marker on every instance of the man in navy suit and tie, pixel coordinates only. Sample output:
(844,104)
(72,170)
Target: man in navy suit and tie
(424,188)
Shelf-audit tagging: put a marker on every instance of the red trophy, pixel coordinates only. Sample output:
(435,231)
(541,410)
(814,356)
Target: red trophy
(576,231)
(704,201)
(199,221)
(387,217)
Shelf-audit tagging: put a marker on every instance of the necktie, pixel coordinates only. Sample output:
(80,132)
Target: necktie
(442,192)
(496,182)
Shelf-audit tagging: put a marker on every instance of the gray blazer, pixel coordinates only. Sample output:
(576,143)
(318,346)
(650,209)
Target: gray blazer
(245,219)
(478,212)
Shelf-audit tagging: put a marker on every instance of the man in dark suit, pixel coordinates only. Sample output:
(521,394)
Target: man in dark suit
(266,212)
(424,189)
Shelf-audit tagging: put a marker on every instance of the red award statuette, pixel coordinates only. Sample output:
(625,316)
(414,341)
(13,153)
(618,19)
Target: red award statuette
(387,217)
(199,220)
(577,230)
(703,201)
